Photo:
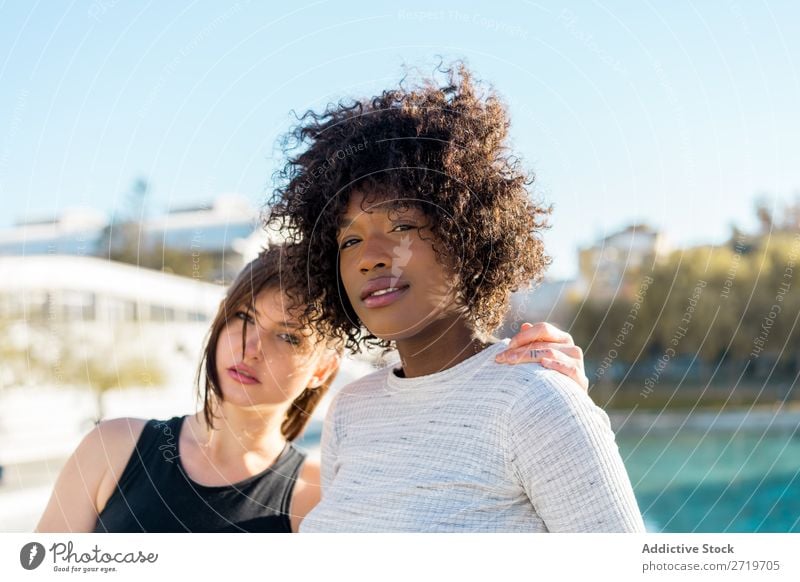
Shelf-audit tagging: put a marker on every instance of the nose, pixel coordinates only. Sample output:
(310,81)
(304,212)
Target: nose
(252,344)
(376,252)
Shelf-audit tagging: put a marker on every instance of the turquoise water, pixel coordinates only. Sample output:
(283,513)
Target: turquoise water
(721,481)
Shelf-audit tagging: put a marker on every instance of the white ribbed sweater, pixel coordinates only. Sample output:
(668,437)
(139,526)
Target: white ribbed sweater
(479,447)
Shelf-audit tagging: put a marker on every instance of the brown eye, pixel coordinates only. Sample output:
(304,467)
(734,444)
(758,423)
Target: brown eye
(405,227)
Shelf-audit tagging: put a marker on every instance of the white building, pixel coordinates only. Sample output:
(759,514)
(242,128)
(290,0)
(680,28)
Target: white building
(76,231)
(75,288)
(226,234)
(603,265)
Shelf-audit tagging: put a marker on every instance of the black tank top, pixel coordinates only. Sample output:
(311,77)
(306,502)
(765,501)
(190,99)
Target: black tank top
(154,493)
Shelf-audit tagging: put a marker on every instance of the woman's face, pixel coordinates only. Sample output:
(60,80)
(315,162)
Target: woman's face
(279,361)
(389,269)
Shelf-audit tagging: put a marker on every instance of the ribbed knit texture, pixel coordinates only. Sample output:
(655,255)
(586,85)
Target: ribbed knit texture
(479,447)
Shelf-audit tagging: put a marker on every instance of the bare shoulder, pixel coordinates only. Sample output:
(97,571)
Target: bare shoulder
(120,429)
(90,475)
(114,438)
(113,441)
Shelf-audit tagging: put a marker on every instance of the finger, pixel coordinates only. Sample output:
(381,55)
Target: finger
(525,355)
(541,331)
(573,364)
(572,351)
(569,370)
(571,367)
(553,359)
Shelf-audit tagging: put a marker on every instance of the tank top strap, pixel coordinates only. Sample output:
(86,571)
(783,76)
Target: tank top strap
(157,443)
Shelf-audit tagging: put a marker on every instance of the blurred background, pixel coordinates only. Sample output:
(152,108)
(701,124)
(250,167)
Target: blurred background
(138,143)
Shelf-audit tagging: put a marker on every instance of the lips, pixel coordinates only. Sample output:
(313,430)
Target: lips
(383,291)
(243,374)
(382,286)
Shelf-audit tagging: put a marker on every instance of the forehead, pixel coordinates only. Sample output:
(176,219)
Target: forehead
(273,307)
(362,205)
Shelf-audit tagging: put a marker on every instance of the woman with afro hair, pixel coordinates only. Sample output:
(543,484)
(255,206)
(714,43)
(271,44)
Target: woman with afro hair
(414,225)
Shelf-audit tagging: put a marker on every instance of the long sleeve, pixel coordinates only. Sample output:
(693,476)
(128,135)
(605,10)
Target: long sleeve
(562,450)
(329,446)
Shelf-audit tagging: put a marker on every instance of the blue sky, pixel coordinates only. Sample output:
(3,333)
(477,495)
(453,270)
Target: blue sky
(677,114)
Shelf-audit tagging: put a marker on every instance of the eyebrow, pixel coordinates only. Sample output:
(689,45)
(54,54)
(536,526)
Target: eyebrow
(286,324)
(344,222)
(347,220)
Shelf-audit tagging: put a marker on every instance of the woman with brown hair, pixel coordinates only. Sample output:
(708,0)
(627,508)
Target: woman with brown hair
(232,466)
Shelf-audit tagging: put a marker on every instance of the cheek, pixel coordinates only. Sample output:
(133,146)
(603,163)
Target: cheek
(440,291)
(445,282)
(290,365)
(290,380)
(349,283)
(229,344)
(345,268)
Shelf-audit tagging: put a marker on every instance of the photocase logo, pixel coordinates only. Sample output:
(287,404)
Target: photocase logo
(31,555)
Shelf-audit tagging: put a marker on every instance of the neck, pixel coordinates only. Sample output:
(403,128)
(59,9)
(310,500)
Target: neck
(239,431)
(442,345)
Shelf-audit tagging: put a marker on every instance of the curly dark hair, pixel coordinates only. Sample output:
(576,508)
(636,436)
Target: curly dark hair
(441,148)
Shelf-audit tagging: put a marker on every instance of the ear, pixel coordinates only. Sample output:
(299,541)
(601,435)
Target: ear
(327,366)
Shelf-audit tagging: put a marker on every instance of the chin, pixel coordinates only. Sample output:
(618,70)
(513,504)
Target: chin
(389,337)
(394,332)
(245,402)
(395,322)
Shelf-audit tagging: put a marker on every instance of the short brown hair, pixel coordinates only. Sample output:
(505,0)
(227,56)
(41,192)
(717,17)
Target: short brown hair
(265,272)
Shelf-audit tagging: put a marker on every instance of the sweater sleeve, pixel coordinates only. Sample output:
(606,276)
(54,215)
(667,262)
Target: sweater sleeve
(562,450)
(329,446)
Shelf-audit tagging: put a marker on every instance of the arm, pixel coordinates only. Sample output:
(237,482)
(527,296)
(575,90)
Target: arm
(306,493)
(89,476)
(551,347)
(562,451)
